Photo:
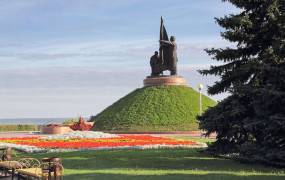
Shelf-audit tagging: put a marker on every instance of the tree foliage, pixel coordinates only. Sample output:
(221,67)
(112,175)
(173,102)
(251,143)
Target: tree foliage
(251,121)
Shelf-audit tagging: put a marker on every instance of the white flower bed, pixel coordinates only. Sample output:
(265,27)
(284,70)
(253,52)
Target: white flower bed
(25,148)
(33,149)
(81,134)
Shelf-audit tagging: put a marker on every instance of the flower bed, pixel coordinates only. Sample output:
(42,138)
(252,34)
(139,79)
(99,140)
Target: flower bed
(55,129)
(121,141)
(82,125)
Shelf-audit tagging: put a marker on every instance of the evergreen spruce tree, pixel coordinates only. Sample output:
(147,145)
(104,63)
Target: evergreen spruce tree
(251,121)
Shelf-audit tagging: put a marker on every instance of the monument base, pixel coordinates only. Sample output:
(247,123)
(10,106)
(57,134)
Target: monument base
(164,81)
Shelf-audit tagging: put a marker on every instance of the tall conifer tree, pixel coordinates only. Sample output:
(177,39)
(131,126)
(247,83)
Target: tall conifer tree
(251,121)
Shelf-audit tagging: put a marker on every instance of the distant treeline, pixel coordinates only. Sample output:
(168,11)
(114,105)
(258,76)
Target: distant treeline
(19,127)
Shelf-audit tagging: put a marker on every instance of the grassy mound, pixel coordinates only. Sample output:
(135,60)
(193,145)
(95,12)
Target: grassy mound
(164,108)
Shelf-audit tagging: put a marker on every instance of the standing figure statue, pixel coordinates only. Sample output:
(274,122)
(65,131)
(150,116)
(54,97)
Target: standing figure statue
(155,64)
(170,49)
(167,58)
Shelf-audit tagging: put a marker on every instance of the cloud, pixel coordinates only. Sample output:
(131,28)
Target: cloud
(73,91)
(49,33)
(59,58)
(102,53)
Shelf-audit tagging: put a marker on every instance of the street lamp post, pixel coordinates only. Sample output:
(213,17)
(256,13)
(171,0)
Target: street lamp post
(200,87)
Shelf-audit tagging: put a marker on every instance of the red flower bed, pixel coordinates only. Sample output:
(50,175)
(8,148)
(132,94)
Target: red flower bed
(81,125)
(121,141)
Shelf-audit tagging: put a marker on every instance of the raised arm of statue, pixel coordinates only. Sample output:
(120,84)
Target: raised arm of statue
(164,42)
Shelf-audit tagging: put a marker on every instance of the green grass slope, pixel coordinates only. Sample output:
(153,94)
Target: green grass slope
(163,108)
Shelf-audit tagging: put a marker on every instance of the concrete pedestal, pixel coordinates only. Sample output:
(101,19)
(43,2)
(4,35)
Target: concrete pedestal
(55,130)
(165,81)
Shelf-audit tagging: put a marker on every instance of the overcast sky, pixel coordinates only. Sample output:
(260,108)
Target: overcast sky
(64,58)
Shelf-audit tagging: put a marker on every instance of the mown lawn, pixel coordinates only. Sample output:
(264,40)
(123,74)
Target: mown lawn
(162,164)
(199,139)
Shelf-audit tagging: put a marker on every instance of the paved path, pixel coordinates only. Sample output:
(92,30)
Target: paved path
(6,178)
(16,134)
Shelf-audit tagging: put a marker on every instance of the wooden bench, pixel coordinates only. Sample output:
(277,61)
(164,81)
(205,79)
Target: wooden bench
(50,168)
(7,166)
(26,168)
(10,167)
(6,153)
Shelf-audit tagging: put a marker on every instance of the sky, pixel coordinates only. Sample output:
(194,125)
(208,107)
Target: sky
(66,58)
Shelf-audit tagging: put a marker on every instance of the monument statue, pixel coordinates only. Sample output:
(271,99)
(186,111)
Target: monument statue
(162,60)
(167,59)
(155,64)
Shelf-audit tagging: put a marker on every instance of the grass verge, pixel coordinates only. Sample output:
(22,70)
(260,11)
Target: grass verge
(18,127)
(158,164)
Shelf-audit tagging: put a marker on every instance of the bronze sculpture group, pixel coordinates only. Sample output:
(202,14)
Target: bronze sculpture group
(166,58)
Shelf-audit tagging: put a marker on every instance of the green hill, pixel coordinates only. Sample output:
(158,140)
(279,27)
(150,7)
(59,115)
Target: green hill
(163,108)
